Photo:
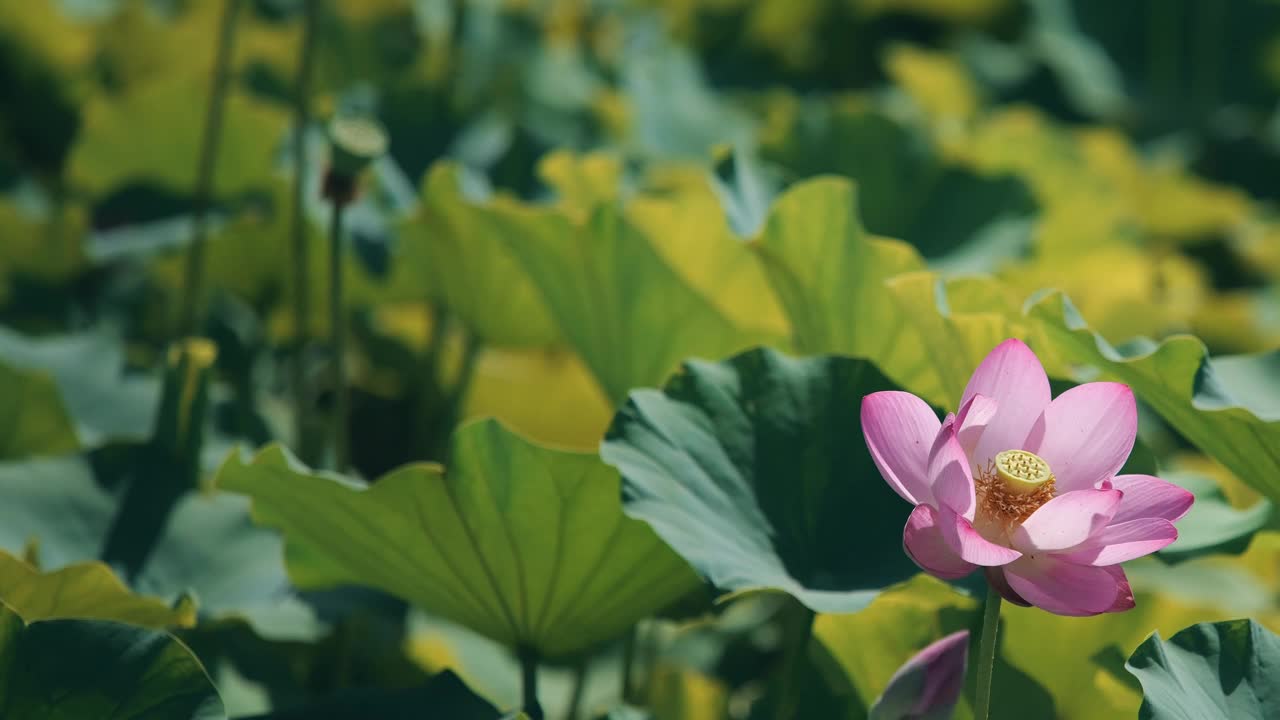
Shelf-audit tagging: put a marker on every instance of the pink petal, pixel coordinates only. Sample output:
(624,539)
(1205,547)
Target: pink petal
(949,475)
(1146,496)
(972,419)
(1066,521)
(1121,542)
(899,429)
(1086,434)
(922,539)
(997,580)
(969,544)
(1124,593)
(1062,587)
(1013,378)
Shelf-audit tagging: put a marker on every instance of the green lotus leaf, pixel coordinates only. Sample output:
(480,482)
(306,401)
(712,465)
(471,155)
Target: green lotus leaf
(76,669)
(754,469)
(86,591)
(33,420)
(1209,670)
(1213,525)
(627,313)
(453,243)
(152,134)
(521,543)
(1181,383)
(831,279)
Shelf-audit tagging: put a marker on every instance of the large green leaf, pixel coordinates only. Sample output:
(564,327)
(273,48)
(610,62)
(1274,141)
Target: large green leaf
(455,246)
(755,471)
(524,544)
(1179,381)
(831,280)
(32,420)
(1210,670)
(76,669)
(1213,525)
(627,313)
(86,591)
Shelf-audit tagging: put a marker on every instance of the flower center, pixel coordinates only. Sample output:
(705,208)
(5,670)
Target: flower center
(1013,486)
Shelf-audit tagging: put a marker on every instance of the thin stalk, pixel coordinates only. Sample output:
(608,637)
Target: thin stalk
(797,629)
(579,689)
(628,664)
(298,231)
(987,653)
(194,271)
(337,319)
(529,684)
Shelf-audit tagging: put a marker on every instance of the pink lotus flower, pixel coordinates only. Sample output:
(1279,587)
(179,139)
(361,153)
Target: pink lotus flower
(1025,486)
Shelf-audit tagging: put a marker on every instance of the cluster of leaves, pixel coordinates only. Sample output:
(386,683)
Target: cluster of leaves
(568,438)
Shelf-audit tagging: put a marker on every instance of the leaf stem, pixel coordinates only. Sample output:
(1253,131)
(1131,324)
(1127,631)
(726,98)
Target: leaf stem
(797,630)
(194,270)
(303,424)
(529,684)
(628,664)
(337,319)
(579,688)
(987,653)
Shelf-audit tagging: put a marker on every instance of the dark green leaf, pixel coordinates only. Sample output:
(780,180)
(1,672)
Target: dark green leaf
(79,669)
(754,469)
(1210,670)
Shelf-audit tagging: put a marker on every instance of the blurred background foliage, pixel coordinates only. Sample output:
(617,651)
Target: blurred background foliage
(578,195)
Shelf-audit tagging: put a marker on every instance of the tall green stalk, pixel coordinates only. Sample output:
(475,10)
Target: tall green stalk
(337,320)
(194,272)
(298,231)
(529,684)
(987,653)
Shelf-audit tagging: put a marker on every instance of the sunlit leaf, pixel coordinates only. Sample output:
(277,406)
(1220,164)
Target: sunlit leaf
(685,223)
(627,313)
(74,669)
(521,543)
(752,470)
(33,421)
(454,246)
(152,135)
(86,591)
(1179,381)
(1224,669)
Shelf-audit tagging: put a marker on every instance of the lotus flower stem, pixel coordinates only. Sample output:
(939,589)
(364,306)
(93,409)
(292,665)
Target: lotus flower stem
(298,233)
(194,270)
(987,653)
(529,684)
(337,319)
